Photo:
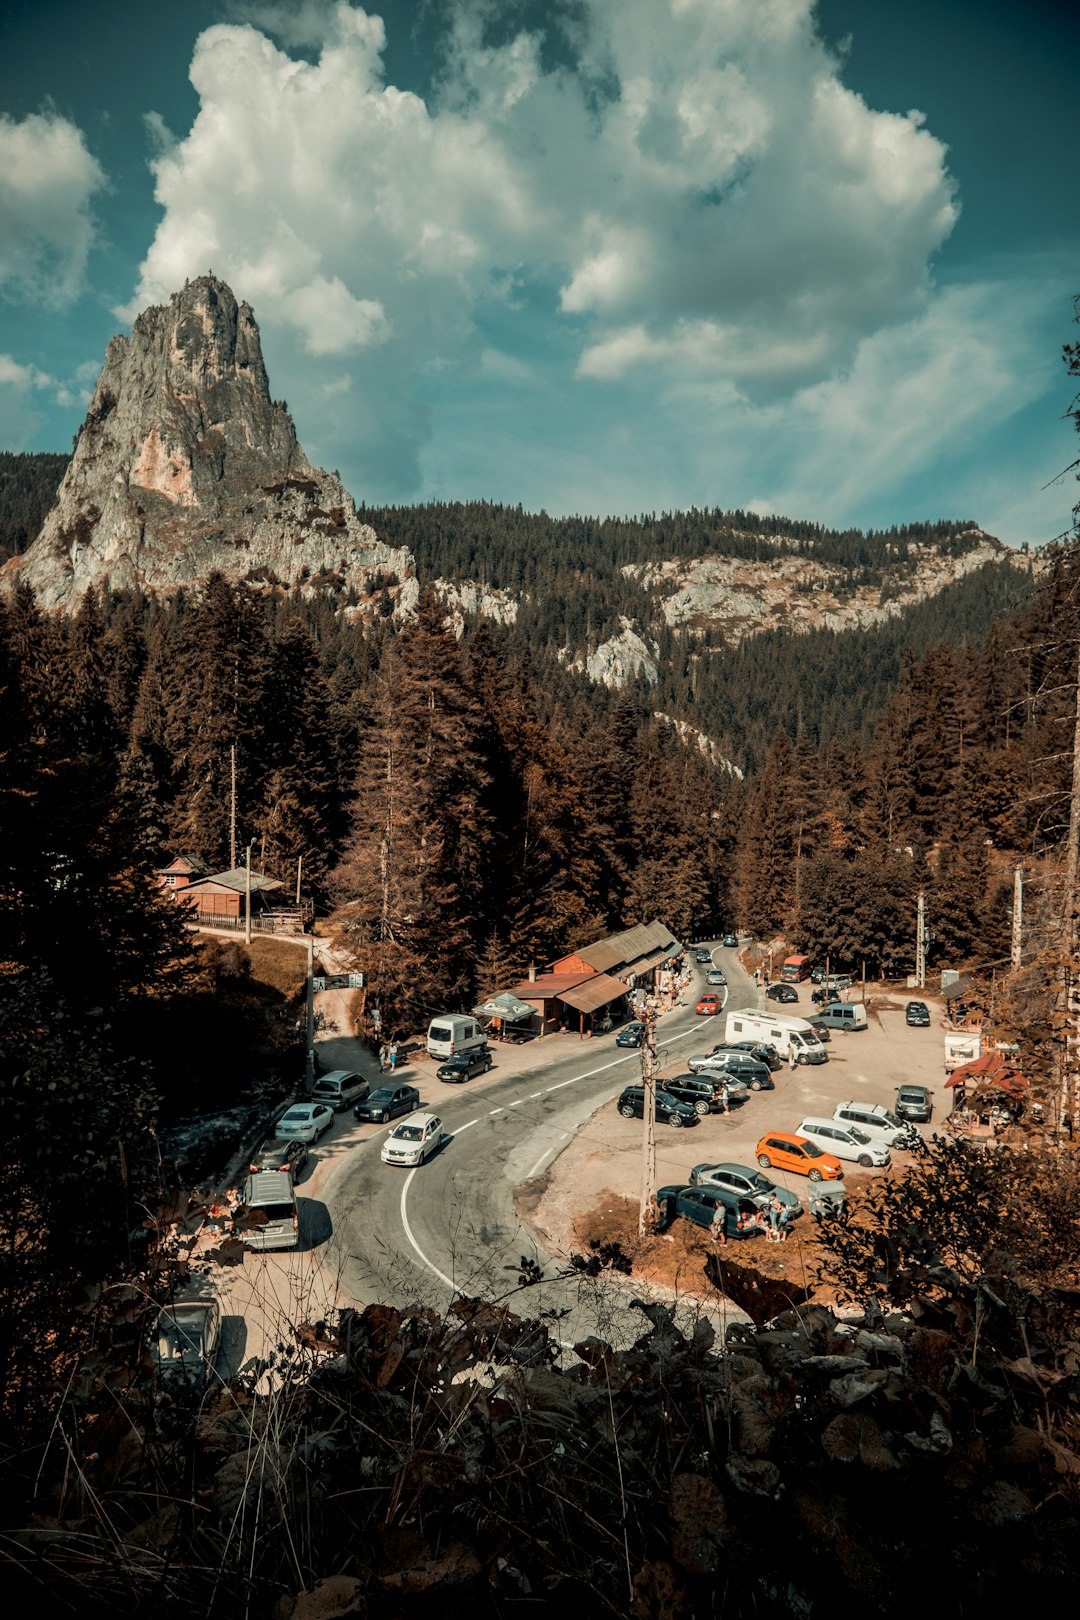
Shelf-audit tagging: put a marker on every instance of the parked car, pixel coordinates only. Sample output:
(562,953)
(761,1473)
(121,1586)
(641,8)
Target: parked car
(785,1150)
(709,1006)
(414,1140)
(745,1182)
(781,992)
(387,1102)
(631,1034)
(760,1051)
(277,1153)
(706,1094)
(340,1088)
(184,1341)
(845,1141)
(463,1066)
(703,954)
(917,1013)
(715,976)
(736,1065)
(844,1015)
(668,1110)
(914,1102)
(821,1030)
(304,1122)
(699,1204)
(879,1123)
(731,941)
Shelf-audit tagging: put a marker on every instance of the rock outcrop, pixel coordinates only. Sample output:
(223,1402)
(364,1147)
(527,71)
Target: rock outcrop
(184,467)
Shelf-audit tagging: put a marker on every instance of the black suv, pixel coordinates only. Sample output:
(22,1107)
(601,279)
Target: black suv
(462,1066)
(702,1093)
(669,1110)
(917,1013)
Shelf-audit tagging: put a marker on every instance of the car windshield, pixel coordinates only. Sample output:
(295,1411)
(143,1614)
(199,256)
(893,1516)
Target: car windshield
(381,1094)
(295,1116)
(762,1184)
(811,1150)
(857,1135)
(408,1133)
(911,1094)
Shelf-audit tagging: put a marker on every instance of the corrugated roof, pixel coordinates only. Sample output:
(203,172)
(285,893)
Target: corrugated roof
(546,985)
(237,880)
(624,950)
(596,993)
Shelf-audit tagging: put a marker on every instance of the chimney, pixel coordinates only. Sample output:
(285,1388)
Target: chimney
(532,972)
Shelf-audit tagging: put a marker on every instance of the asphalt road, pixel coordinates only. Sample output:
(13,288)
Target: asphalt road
(449,1227)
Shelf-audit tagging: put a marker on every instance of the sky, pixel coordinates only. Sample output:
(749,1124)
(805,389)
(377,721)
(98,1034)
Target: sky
(593,256)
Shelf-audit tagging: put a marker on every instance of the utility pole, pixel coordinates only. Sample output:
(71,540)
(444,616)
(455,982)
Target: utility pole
(232,808)
(1017,915)
(247,895)
(920,944)
(299,869)
(309,1067)
(648,1141)
(1070,1079)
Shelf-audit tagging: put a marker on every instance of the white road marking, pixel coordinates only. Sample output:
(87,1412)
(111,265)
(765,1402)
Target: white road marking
(588,1074)
(449,1281)
(564,1135)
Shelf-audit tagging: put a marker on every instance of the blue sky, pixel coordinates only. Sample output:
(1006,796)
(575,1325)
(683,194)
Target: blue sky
(592,255)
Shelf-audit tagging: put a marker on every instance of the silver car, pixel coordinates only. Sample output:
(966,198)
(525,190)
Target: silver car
(745,1182)
(184,1343)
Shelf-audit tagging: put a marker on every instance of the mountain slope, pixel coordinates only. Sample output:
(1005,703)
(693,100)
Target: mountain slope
(184,467)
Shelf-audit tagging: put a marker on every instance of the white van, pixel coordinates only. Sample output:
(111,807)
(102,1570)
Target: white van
(878,1123)
(269,1219)
(454,1032)
(843,1015)
(791,1036)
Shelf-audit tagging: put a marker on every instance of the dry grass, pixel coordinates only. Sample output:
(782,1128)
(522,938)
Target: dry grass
(282,966)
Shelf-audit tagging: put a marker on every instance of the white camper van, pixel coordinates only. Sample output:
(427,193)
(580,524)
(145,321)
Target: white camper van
(454,1032)
(791,1036)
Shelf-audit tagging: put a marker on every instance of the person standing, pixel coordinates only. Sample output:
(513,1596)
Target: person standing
(393,1056)
(718,1228)
(384,1057)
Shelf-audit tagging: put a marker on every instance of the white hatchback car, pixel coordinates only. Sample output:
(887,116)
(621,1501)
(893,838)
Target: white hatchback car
(845,1141)
(414,1140)
(304,1122)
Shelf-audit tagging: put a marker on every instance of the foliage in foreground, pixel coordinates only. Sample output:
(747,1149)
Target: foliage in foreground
(410,1463)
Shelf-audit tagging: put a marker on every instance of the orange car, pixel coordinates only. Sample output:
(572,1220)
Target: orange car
(783,1150)
(707,1005)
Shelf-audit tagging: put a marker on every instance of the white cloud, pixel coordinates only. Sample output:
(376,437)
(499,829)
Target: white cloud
(48,179)
(698,210)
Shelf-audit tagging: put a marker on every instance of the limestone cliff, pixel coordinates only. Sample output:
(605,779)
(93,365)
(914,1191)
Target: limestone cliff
(184,466)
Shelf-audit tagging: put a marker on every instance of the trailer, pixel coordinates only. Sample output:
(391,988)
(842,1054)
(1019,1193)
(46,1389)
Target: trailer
(792,1037)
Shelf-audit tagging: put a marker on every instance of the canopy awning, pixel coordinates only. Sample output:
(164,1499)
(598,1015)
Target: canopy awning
(990,1072)
(598,992)
(507,1006)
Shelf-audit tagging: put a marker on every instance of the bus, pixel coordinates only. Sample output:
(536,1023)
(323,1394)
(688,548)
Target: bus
(795,969)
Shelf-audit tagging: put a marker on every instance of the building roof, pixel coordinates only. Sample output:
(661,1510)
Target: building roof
(237,880)
(586,998)
(183,863)
(653,939)
(546,986)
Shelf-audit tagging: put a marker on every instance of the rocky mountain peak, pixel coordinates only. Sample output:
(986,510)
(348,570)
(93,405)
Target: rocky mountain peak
(184,466)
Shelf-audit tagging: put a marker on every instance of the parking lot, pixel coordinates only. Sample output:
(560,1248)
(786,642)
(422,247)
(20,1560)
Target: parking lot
(864,1065)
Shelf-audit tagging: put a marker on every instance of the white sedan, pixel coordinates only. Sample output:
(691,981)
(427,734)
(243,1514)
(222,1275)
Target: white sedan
(414,1140)
(304,1122)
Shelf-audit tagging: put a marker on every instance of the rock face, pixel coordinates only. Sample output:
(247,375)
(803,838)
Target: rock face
(618,659)
(184,466)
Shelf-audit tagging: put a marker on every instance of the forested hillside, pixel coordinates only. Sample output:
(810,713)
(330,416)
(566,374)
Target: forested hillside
(28,485)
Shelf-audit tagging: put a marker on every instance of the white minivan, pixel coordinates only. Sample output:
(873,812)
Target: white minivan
(454,1032)
(845,1141)
(877,1121)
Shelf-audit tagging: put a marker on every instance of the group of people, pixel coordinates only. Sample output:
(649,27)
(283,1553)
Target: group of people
(220,1216)
(770,1218)
(388,1057)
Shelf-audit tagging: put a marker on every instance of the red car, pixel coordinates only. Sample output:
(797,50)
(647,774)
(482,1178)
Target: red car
(708,1005)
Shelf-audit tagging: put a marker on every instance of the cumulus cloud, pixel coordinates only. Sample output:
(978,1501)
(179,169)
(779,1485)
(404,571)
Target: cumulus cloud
(692,193)
(48,180)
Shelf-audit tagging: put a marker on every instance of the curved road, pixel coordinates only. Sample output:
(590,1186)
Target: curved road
(450,1227)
